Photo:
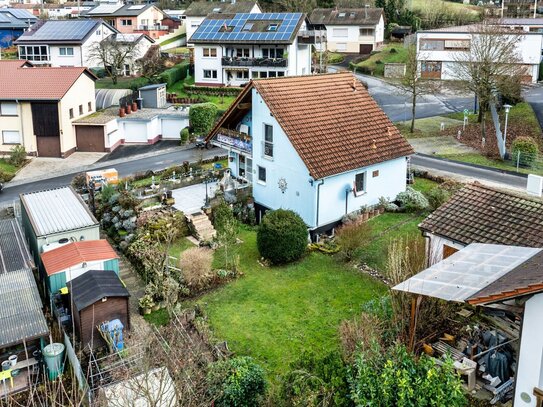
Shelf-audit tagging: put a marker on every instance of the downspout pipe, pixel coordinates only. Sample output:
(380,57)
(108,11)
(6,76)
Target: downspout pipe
(318,201)
(347,192)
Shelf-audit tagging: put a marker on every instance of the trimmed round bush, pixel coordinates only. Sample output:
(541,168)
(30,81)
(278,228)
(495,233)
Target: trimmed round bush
(184,135)
(202,117)
(238,382)
(412,200)
(525,150)
(282,236)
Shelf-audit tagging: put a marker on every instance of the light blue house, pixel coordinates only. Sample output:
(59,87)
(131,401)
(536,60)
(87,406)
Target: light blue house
(318,145)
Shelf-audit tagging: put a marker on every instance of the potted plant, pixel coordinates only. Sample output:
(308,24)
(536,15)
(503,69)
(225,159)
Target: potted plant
(364,212)
(146,304)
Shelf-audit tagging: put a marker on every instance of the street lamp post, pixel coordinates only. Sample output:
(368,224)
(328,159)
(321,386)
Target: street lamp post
(507,109)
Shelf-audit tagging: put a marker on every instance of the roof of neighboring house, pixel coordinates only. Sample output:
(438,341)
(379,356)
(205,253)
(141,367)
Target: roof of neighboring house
(331,120)
(60,31)
(346,16)
(128,38)
(498,29)
(95,285)
(480,214)
(115,10)
(248,28)
(203,8)
(19,80)
(75,253)
(14,254)
(112,113)
(56,210)
(16,18)
(527,278)
(21,315)
(521,21)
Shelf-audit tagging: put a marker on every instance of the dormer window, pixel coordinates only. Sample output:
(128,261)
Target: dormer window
(352,15)
(217,10)
(341,15)
(247,27)
(273,27)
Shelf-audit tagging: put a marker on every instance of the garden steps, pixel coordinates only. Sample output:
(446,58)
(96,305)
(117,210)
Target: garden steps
(202,227)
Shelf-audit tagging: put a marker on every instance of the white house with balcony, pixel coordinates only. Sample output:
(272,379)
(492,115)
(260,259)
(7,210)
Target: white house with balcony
(318,145)
(197,11)
(440,51)
(351,30)
(231,51)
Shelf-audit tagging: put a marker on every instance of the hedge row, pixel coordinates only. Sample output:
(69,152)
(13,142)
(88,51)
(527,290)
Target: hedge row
(212,90)
(202,117)
(175,74)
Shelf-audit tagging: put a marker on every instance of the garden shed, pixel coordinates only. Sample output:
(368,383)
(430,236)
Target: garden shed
(54,215)
(97,296)
(505,280)
(63,264)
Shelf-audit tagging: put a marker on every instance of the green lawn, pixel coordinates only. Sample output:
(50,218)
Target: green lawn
(180,246)
(448,5)
(222,102)
(158,318)
(273,314)
(122,83)
(424,185)
(375,64)
(479,159)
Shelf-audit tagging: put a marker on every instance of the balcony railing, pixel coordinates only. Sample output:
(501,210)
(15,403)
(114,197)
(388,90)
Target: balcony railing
(311,36)
(232,138)
(153,28)
(273,62)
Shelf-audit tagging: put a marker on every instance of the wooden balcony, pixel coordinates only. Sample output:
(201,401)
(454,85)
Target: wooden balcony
(312,36)
(234,139)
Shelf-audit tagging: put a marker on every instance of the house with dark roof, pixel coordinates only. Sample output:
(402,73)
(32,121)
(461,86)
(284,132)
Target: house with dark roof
(231,49)
(351,30)
(198,10)
(13,23)
(97,296)
(63,42)
(131,18)
(317,144)
(481,214)
(508,279)
(39,104)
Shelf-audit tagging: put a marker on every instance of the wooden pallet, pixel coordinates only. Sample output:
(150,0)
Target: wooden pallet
(444,348)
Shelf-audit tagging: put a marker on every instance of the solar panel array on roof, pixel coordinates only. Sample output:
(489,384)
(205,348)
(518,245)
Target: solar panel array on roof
(105,9)
(4,19)
(55,30)
(214,29)
(21,14)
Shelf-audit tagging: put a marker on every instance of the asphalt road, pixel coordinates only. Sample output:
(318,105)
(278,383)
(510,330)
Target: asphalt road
(158,162)
(481,174)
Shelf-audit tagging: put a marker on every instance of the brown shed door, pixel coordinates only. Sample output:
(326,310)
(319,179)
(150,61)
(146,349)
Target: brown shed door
(366,48)
(46,128)
(90,138)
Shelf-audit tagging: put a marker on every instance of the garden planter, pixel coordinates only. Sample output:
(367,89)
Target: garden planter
(365,216)
(122,112)
(381,210)
(134,107)
(128,109)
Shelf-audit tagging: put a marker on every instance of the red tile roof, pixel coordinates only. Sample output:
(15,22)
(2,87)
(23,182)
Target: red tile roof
(76,253)
(331,120)
(37,83)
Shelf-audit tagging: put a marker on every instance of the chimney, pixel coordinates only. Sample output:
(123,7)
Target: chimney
(366,7)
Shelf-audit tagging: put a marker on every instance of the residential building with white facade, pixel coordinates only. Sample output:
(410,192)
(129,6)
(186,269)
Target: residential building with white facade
(440,51)
(318,145)
(229,51)
(351,30)
(197,11)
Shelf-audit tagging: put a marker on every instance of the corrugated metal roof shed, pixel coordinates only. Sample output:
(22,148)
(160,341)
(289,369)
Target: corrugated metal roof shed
(56,210)
(14,254)
(21,315)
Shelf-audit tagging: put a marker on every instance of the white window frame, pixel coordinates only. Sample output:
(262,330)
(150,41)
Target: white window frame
(7,132)
(6,111)
(267,142)
(357,190)
(261,182)
(209,51)
(66,51)
(212,74)
(340,32)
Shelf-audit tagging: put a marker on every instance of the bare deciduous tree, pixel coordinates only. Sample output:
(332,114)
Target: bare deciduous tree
(490,66)
(152,63)
(413,84)
(113,53)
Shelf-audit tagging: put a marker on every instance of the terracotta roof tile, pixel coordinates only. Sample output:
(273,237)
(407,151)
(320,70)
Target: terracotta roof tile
(76,253)
(332,121)
(33,83)
(524,279)
(479,214)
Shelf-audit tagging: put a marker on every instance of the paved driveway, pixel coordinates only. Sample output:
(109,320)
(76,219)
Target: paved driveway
(191,199)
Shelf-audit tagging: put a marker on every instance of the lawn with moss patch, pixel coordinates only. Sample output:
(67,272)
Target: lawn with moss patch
(274,313)
(158,318)
(122,83)
(391,53)
(222,102)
